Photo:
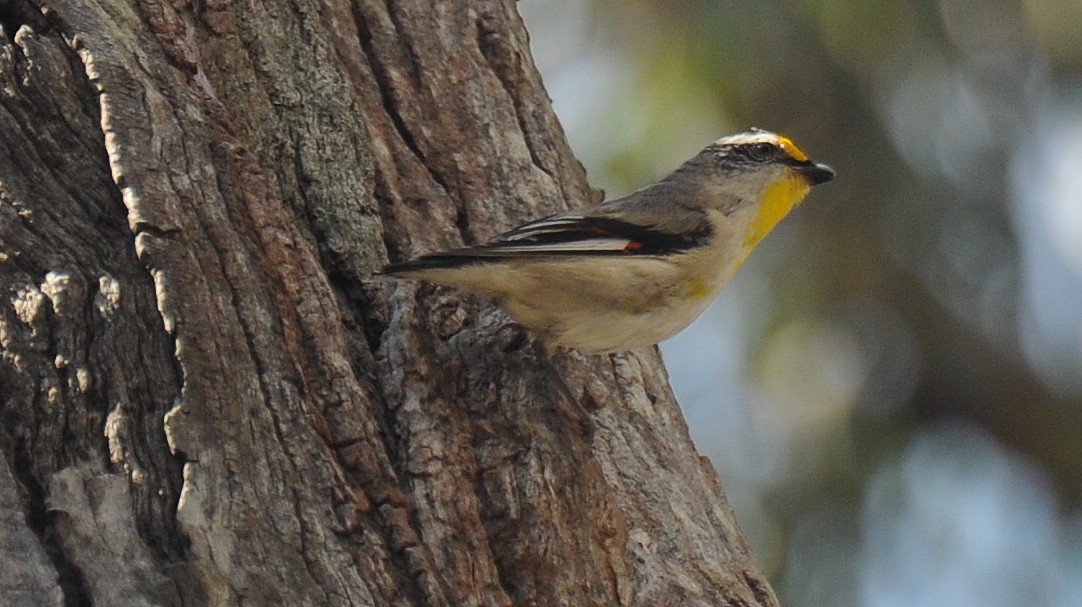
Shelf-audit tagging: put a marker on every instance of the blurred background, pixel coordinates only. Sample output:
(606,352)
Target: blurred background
(891,389)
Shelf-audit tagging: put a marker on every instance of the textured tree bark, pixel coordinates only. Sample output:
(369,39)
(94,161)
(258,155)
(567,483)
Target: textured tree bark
(205,398)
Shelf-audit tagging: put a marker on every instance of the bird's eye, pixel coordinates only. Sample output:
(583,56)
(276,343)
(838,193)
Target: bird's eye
(761,151)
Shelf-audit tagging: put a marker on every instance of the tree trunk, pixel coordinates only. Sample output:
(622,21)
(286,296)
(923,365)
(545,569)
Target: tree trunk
(206,400)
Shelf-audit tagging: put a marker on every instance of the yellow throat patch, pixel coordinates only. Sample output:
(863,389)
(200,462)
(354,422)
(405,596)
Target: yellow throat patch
(774,205)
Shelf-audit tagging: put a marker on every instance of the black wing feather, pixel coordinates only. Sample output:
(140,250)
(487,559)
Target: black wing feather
(562,236)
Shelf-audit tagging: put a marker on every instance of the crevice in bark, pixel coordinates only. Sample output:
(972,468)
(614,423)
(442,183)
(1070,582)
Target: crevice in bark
(382,80)
(386,202)
(462,222)
(14,14)
(69,577)
(372,327)
(144,227)
(506,64)
(303,537)
(386,87)
(402,32)
(758,588)
(163,23)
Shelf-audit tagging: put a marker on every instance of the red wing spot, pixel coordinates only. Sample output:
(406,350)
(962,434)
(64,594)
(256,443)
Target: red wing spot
(633,246)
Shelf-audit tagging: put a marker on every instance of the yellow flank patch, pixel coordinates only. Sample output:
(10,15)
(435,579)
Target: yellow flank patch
(791,149)
(698,289)
(775,204)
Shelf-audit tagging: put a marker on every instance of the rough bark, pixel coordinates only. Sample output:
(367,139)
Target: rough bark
(205,398)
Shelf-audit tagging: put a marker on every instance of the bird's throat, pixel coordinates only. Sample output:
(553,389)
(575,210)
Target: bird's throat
(775,204)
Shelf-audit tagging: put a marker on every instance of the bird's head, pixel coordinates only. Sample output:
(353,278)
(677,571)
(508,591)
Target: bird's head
(756,170)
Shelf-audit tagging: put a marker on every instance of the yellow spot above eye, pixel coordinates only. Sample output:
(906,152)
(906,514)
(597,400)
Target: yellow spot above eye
(791,149)
(774,205)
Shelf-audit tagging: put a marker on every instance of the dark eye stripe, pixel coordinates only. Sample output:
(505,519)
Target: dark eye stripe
(737,154)
(762,151)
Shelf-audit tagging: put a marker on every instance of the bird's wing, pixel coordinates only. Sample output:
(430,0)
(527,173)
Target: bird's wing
(567,234)
(574,234)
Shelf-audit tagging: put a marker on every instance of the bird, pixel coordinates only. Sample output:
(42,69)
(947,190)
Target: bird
(633,271)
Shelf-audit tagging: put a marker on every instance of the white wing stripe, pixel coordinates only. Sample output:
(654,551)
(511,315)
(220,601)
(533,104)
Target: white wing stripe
(554,225)
(585,246)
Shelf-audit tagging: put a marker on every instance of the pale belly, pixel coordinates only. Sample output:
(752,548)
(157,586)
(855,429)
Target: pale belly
(605,330)
(577,305)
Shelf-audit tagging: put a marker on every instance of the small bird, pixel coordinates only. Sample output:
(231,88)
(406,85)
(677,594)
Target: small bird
(636,270)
